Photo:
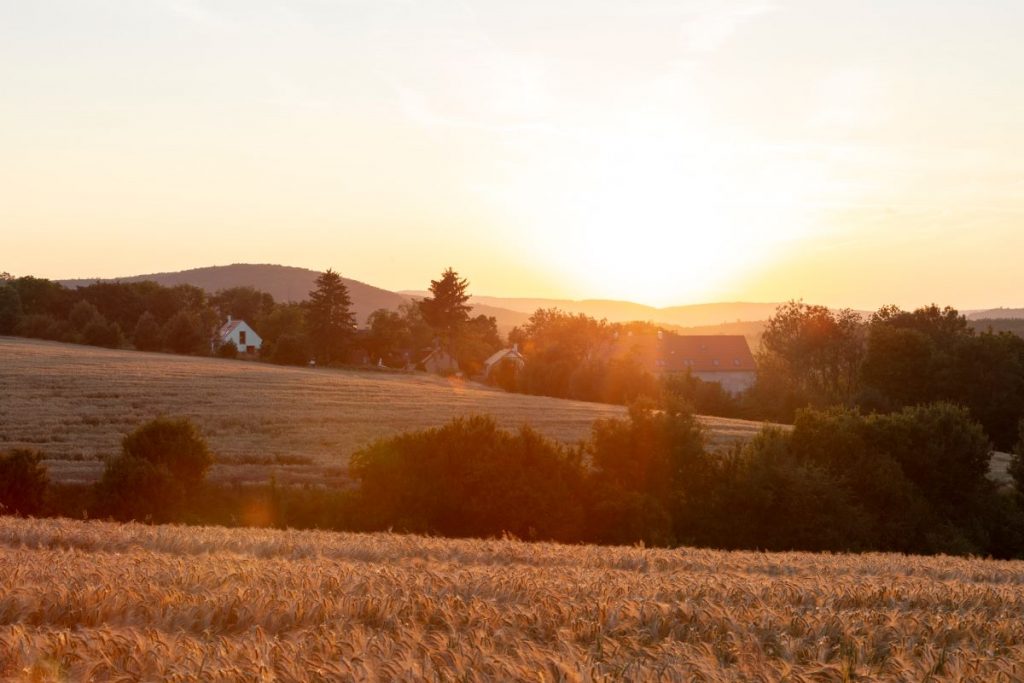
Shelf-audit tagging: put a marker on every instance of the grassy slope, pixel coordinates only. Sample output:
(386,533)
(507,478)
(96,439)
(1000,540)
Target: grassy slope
(75,402)
(83,601)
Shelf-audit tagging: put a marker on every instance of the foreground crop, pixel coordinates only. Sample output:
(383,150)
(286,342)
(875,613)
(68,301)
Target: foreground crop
(102,601)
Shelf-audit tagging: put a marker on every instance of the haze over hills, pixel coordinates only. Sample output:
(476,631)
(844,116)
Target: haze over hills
(289,283)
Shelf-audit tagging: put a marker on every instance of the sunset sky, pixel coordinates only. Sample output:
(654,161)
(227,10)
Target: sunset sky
(855,153)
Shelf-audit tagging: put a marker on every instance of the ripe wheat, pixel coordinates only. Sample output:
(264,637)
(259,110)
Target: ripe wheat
(98,601)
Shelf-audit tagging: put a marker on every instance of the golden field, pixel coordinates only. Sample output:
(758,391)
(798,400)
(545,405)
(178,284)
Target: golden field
(100,601)
(74,403)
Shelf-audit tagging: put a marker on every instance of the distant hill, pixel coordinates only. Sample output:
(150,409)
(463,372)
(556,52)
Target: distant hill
(288,283)
(1014,325)
(698,315)
(997,314)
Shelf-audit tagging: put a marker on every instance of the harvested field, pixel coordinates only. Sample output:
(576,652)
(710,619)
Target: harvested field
(74,403)
(100,601)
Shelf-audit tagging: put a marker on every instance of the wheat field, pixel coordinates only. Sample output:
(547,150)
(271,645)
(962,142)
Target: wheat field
(99,601)
(74,403)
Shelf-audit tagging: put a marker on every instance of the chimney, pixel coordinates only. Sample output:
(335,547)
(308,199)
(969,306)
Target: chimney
(229,318)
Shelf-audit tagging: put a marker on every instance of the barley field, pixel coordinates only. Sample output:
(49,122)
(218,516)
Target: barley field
(74,403)
(95,601)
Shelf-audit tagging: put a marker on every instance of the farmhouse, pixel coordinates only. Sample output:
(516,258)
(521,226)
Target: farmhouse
(505,357)
(725,359)
(239,333)
(720,358)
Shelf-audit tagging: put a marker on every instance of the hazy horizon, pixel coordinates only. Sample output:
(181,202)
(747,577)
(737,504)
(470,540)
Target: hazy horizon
(662,153)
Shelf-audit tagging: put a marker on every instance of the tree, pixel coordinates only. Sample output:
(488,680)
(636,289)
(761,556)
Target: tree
(814,350)
(446,309)
(471,478)
(183,333)
(245,303)
(329,318)
(1017,462)
(23,482)
(10,308)
(147,335)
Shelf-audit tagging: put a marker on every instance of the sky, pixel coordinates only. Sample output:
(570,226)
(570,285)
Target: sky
(665,152)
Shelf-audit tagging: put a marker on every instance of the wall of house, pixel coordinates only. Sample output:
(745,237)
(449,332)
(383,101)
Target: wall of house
(733,382)
(251,339)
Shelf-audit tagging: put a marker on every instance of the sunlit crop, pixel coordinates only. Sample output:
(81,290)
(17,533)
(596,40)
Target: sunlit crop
(91,600)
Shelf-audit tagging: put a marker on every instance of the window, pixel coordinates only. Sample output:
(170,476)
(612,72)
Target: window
(736,362)
(715,362)
(241,337)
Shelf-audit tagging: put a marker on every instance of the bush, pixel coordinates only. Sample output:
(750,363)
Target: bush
(162,463)
(470,478)
(643,469)
(136,489)
(174,444)
(227,350)
(23,482)
(290,349)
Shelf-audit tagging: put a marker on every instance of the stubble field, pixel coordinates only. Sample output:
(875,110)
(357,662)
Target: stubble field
(100,601)
(74,403)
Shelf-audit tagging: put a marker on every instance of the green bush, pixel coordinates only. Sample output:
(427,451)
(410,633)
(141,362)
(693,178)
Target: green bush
(23,482)
(174,444)
(470,478)
(163,462)
(137,489)
(227,350)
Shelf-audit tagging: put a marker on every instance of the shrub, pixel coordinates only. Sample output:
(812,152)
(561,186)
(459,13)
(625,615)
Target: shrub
(23,482)
(174,444)
(162,462)
(227,350)
(470,478)
(137,489)
(290,349)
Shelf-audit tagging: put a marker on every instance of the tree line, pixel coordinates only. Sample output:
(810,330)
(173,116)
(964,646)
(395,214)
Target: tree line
(914,481)
(183,319)
(810,356)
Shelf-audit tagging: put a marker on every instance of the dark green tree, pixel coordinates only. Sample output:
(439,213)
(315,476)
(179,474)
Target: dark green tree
(329,318)
(183,333)
(446,309)
(147,335)
(813,351)
(10,308)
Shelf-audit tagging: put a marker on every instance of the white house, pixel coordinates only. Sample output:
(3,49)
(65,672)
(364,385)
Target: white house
(239,333)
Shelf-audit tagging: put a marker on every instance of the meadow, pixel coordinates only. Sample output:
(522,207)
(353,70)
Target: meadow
(101,601)
(74,403)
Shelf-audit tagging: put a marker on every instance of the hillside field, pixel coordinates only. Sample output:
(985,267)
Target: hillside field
(74,403)
(101,601)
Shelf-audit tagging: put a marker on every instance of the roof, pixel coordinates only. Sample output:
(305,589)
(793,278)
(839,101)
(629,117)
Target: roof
(511,352)
(705,353)
(228,327)
(668,352)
